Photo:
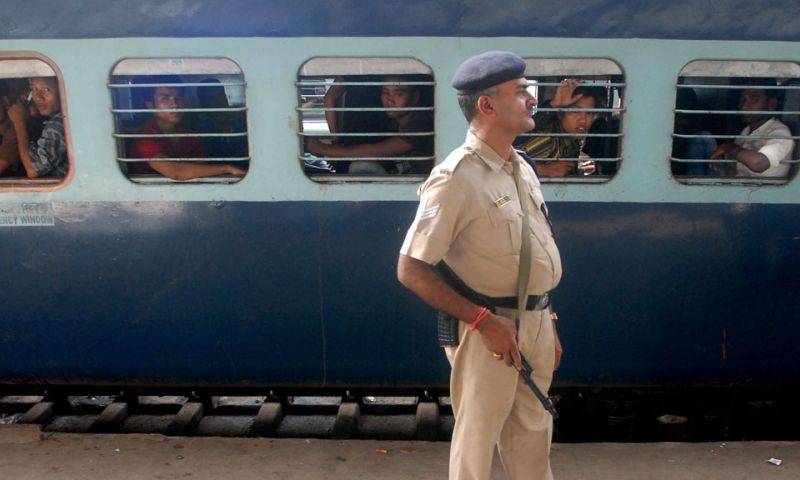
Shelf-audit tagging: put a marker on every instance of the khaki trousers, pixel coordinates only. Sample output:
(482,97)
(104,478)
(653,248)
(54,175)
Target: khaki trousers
(493,405)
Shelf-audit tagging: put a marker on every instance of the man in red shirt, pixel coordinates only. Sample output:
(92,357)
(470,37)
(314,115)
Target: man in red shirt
(168,122)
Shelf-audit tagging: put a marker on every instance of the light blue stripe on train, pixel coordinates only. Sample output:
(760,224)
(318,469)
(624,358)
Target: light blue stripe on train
(270,67)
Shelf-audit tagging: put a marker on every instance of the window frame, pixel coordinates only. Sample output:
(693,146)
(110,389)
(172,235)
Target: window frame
(580,67)
(211,66)
(731,71)
(23,183)
(321,71)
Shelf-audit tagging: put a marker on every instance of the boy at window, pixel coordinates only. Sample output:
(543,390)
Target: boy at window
(761,154)
(47,154)
(168,122)
(568,95)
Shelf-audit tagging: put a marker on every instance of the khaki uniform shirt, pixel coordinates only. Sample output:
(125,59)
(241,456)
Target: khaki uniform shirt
(470,216)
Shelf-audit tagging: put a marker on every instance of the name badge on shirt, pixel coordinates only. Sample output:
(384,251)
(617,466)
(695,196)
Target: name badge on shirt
(504,200)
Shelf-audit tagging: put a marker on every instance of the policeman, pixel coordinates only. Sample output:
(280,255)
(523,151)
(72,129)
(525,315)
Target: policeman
(471,216)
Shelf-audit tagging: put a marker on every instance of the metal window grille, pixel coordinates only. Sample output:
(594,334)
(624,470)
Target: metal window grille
(707,114)
(361,118)
(223,134)
(607,139)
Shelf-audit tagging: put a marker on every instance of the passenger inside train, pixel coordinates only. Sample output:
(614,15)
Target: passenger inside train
(9,153)
(699,145)
(569,94)
(415,126)
(42,154)
(763,151)
(180,151)
(213,96)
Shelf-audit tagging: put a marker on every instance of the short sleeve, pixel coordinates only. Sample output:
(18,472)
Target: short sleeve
(777,149)
(419,123)
(442,214)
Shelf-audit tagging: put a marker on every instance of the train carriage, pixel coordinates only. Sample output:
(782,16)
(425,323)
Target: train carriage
(284,277)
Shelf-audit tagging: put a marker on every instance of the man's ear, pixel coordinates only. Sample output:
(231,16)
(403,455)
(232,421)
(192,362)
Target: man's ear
(485,105)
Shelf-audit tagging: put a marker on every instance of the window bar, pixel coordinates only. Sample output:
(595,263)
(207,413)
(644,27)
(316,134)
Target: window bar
(183,159)
(582,84)
(750,137)
(741,87)
(365,109)
(371,159)
(323,83)
(176,85)
(178,135)
(577,159)
(183,110)
(588,135)
(367,134)
(721,160)
(738,112)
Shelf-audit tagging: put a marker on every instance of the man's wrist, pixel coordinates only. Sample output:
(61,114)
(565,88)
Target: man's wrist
(478,318)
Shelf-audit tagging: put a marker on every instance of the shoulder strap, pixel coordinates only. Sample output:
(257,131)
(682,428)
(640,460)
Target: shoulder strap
(525,249)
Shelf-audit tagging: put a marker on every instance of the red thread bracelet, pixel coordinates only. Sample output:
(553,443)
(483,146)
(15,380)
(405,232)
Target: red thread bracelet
(478,318)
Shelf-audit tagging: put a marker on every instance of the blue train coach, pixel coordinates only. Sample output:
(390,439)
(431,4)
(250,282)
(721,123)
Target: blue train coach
(273,267)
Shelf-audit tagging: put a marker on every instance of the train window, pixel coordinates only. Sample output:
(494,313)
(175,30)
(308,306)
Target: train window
(189,113)
(736,122)
(577,138)
(365,119)
(34,138)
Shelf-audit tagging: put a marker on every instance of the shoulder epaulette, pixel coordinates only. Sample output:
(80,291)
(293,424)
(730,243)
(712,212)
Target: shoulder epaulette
(449,165)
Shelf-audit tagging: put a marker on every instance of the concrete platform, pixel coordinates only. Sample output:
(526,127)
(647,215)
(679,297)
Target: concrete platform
(26,454)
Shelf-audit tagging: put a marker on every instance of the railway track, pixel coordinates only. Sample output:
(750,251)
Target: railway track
(311,417)
(587,415)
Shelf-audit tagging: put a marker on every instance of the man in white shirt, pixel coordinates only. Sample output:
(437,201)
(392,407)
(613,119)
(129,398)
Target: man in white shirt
(767,148)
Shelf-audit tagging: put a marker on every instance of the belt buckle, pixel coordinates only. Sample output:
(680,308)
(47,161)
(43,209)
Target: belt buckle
(543,301)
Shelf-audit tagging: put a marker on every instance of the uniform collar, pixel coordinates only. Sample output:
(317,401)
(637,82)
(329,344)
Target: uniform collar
(484,152)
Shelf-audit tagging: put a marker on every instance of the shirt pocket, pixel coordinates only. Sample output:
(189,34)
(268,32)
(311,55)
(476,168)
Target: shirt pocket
(506,232)
(540,223)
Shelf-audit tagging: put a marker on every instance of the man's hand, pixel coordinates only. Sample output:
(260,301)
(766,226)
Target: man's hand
(18,114)
(315,146)
(555,168)
(499,335)
(564,94)
(726,150)
(752,159)
(234,170)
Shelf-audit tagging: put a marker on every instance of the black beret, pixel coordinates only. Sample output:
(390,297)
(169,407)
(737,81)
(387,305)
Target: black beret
(487,70)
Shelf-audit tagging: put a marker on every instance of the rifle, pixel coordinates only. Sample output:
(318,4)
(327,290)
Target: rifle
(447,329)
